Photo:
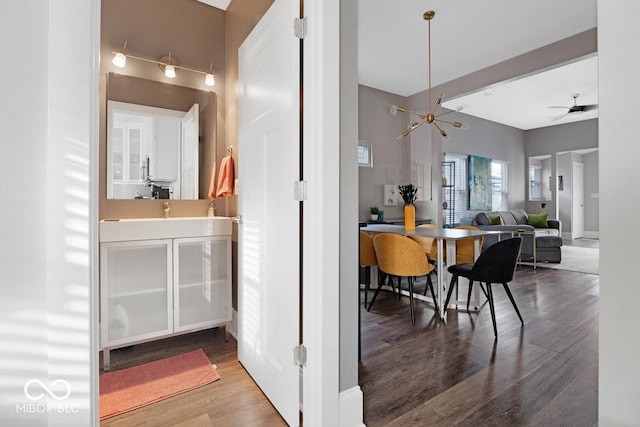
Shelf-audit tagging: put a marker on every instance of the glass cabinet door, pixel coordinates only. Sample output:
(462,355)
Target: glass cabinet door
(135,291)
(202,282)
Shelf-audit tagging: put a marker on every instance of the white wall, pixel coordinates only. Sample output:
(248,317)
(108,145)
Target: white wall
(48,218)
(619,370)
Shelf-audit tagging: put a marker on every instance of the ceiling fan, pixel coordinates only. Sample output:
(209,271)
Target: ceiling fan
(574,109)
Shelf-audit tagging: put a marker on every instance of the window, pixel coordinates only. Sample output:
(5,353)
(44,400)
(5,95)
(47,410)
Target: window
(499,185)
(365,156)
(458,194)
(455,189)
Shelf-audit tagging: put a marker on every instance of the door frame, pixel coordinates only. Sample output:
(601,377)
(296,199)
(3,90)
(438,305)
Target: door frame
(575,209)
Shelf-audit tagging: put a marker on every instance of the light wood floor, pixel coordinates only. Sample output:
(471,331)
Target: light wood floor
(233,400)
(544,373)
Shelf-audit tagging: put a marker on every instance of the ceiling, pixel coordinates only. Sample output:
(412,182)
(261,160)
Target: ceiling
(220,4)
(467,36)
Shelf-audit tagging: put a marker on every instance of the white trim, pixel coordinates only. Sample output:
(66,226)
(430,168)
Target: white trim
(592,234)
(321,261)
(94,215)
(351,407)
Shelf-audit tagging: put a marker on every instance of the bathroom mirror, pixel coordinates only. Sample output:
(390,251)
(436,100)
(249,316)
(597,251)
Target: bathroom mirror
(157,138)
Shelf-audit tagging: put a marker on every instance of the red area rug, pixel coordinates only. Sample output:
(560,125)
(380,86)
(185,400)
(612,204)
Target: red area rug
(131,388)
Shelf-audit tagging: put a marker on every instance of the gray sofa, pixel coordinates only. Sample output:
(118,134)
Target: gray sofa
(548,240)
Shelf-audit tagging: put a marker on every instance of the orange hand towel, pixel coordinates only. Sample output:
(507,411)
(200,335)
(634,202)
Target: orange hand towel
(212,184)
(226,178)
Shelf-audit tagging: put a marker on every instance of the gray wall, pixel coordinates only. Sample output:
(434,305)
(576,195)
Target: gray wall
(349,240)
(566,138)
(495,141)
(390,156)
(392,159)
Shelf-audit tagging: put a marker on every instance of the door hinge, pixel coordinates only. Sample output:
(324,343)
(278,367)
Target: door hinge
(300,27)
(300,355)
(300,191)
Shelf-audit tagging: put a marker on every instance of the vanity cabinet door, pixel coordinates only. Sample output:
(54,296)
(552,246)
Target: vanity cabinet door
(135,291)
(202,282)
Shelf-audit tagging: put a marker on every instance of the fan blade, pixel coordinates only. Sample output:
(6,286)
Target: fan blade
(559,106)
(561,116)
(591,107)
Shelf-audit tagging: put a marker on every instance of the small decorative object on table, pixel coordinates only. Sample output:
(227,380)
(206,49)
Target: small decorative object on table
(374,211)
(408,193)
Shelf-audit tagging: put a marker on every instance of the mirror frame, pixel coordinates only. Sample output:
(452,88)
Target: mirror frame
(135,90)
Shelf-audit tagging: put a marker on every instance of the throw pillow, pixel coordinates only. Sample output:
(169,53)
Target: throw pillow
(538,220)
(483,219)
(495,219)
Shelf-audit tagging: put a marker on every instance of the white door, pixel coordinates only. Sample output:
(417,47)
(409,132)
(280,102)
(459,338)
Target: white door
(189,155)
(577,211)
(269,232)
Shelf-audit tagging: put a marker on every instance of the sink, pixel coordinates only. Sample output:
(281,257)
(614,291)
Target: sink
(119,230)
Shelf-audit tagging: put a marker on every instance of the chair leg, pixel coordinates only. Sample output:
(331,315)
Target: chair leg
(413,315)
(433,294)
(454,282)
(492,308)
(469,293)
(506,288)
(367,282)
(375,294)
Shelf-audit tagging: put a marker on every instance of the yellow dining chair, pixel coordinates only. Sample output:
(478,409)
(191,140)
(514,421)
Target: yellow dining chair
(464,247)
(367,260)
(402,257)
(428,243)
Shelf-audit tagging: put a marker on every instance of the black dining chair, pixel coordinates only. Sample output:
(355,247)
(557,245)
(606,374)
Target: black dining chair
(496,264)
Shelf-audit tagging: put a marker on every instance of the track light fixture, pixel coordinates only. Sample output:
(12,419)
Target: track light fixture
(168,65)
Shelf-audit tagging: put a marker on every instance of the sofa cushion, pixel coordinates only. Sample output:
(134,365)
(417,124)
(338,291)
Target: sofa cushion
(542,232)
(495,219)
(548,242)
(507,218)
(483,219)
(520,215)
(538,220)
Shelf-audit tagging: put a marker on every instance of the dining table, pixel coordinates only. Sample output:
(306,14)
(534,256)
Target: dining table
(445,237)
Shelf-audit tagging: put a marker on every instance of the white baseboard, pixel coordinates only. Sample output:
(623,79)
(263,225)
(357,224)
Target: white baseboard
(586,234)
(351,405)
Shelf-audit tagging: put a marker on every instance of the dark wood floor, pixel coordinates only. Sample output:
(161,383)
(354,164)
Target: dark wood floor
(543,373)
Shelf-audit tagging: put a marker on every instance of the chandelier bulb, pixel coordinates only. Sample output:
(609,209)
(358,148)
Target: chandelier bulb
(209,80)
